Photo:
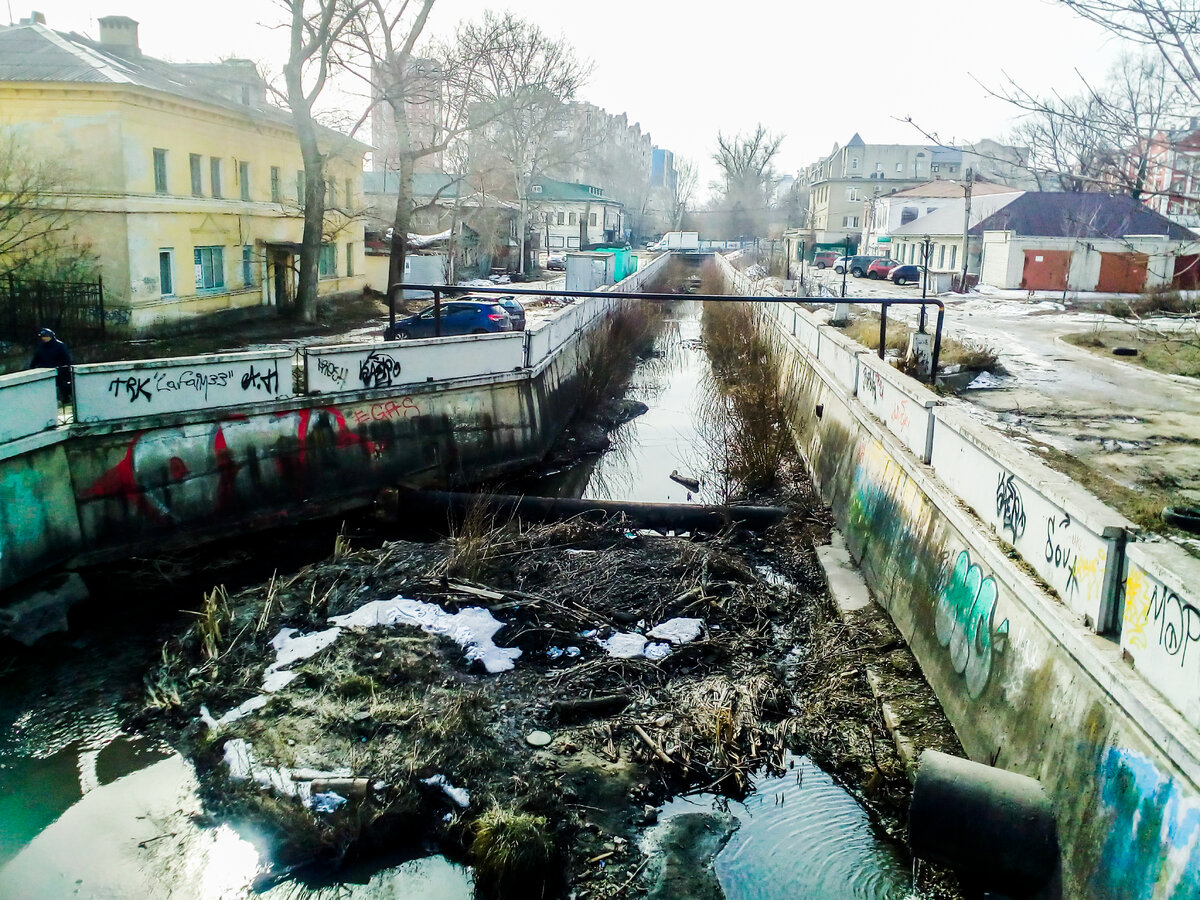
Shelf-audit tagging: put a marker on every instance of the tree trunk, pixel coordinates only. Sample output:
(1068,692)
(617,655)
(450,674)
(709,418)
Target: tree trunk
(400,225)
(314,194)
(522,227)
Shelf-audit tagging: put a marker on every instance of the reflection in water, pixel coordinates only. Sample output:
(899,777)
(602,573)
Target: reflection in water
(89,811)
(647,449)
(801,835)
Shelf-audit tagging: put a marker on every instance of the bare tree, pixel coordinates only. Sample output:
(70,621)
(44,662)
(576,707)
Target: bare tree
(684,189)
(1170,27)
(1101,138)
(315,31)
(748,177)
(524,88)
(37,214)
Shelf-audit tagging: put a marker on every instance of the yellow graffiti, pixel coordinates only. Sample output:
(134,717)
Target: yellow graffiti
(1137,607)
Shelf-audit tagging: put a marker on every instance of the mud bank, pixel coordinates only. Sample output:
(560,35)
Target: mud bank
(522,699)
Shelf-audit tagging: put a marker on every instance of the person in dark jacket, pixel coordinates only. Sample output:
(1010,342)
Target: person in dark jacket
(51,353)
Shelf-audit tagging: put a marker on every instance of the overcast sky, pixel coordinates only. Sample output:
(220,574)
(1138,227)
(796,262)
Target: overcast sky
(689,68)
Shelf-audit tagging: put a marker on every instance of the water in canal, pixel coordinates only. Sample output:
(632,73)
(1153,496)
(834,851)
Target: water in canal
(90,811)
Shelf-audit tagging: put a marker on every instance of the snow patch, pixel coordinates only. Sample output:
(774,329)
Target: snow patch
(472,628)
(677,631)
(459,795)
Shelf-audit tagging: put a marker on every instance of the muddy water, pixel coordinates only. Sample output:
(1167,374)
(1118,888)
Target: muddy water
(797,836)
(89,811)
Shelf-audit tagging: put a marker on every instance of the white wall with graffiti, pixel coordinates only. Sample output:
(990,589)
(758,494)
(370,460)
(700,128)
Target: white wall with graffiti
(106,392)
(1064,533)
(1161,632)
(348,367)
(903,406)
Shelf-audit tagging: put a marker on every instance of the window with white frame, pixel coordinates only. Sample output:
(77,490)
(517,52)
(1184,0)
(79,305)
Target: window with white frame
(953,255)
(852,194)
(849,221)
(571,219)
(247,265)
(556,242)
(160,170)
(244,179)
(573,243)
(214,168)
(210,268)
(562,218)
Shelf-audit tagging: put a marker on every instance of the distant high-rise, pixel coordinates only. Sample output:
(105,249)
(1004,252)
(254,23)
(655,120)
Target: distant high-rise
(421,90)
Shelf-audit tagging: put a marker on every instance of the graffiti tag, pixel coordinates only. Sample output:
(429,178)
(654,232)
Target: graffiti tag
(131,388)
(1009,505)
(965,617)
(189,379)
(900,413)
(267,380)
(378,370)
(873,385)
(383,412)
(332,371)
(1059,554)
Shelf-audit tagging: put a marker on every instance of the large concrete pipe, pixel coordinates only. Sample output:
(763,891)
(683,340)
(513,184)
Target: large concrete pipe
(995,828)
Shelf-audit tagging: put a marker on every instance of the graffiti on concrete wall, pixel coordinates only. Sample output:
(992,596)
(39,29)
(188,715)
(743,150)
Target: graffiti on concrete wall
(212,468)
(198,381)
(1155,613)
(378,370)
(1153,844)
(966,622)
(1009,505)
(331,370)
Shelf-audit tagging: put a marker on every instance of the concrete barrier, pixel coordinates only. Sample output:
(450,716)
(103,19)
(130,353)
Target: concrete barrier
(1071,539)
(1027,686)
(30,403)
(1161,633)
(904,406)
(839,355)
(106,392)
(350,367)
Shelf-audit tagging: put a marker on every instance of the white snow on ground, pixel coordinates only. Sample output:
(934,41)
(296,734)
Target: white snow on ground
(626,645)
(472,628)
(458,795)
(677,631)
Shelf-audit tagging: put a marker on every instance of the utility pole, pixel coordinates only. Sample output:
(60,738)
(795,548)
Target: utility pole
(970,181)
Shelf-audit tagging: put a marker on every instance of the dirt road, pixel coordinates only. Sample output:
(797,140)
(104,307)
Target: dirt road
(1137,427)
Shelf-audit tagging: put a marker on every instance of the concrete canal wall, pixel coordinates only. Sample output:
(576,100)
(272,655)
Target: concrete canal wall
(175,450)
(1061,643)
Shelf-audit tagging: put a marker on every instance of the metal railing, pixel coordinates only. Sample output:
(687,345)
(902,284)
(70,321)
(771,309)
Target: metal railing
(73,309)
(716,298)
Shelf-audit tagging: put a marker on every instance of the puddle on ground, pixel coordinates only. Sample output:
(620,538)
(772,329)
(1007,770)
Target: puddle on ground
(802,835)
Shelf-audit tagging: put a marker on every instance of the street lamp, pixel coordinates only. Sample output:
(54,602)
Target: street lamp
(926,255)
(845,264)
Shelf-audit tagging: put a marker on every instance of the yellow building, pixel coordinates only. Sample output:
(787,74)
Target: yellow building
(187,182)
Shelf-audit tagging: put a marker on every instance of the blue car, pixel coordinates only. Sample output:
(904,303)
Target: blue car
(458,317)
(907,274)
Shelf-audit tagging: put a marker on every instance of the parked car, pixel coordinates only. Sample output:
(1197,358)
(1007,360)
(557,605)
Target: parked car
(906,274)
(556,262)
(511,305)
(839,264)
(859,264)
(822,259)
(458,317)
(881,268)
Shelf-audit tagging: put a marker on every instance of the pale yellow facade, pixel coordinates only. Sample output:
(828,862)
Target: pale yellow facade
(173,246)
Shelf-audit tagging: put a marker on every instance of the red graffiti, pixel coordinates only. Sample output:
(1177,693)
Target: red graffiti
(384,412)
(227,469)
(121,481)
(900,413)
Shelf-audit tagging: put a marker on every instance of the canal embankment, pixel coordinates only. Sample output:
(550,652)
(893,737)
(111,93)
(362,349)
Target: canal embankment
(1056,647)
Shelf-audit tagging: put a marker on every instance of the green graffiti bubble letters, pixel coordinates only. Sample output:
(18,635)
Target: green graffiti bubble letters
(964,621)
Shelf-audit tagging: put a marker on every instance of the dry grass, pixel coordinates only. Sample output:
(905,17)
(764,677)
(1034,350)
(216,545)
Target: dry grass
(746,411)
(613,348)
(1175,351)
(511,852)
(968,355)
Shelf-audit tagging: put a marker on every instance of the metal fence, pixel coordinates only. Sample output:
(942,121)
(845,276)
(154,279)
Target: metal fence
(74,310)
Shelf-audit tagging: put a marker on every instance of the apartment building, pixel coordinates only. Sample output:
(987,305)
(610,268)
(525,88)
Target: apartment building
(186,183)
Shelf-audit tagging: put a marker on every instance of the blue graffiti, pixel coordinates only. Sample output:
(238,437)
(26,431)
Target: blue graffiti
(964,620)
(1153,830)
